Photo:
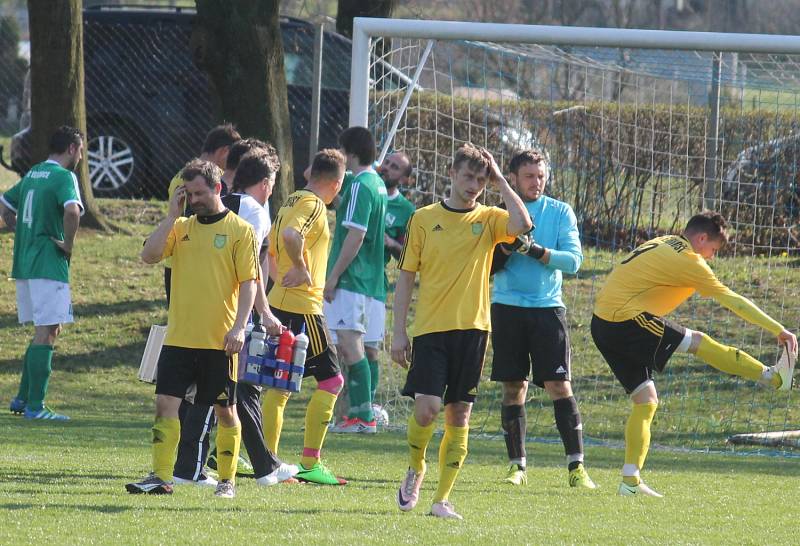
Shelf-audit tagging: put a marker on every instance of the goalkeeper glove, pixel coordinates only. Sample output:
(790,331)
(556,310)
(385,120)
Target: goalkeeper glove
(524,244)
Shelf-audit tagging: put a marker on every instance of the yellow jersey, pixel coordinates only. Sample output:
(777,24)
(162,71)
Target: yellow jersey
(211,256)
(305,213)
(661,274)
(452,251)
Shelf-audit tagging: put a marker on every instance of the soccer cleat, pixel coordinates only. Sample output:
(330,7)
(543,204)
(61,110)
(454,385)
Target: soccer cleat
(204,480)
(580,478)
(150,485)
(17,406)
(283,473)
(516,475)
(444,510)
(785,368)
(225,489)
(44,414)
(320,474)
(356,425)
(626,490)
(408,494)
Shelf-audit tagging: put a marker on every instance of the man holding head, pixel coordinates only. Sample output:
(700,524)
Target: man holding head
(215,266)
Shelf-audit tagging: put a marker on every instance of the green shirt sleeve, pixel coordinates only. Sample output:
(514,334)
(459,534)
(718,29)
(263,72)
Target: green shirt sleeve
(11,197)
(67,190)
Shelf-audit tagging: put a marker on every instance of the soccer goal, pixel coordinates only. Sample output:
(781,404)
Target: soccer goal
(643,129)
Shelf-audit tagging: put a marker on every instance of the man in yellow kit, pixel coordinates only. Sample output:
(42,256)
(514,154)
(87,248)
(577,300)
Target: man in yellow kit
(298,247)
(629,329)
(450,244)
(215,268)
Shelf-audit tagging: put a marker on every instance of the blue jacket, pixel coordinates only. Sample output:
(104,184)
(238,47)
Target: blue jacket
(525,281)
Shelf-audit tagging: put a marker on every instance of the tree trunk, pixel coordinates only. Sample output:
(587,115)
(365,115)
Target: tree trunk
(239,45)
(56,34)
(347,9)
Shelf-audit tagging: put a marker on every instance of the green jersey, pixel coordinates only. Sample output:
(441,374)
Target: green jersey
(38,200)
(398,213)
(363,207)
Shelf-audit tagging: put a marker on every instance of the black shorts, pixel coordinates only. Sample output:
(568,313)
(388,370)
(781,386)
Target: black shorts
(447,365)
(635,348)
(321,360)
(211,370)
(531,341)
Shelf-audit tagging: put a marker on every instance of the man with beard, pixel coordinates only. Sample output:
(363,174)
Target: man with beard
(49,203)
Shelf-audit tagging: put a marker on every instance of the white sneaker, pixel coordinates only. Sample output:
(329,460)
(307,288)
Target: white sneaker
(626,490)
(207,481)
(225,489)
(281,474)
(444,510)
(408,494)
(785,368)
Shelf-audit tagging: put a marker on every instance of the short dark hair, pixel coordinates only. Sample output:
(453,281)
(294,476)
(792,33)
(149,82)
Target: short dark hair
(63,138)
(219,136)
(472,156)
(528,156)
(327,163)
(245,145)
(709,222)
(410,168)
(255,166)
(359,142)
(198,167)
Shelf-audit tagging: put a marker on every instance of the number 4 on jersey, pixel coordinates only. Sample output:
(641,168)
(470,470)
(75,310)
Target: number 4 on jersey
(27,209)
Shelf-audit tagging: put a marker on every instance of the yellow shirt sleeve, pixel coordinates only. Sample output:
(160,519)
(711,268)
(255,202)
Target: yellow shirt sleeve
(498,223)
(246,257)
(303,215)
(169,247)
(412,247)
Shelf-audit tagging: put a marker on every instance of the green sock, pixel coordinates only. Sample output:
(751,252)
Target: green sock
(40,358)
(22,394)
(374,376)
(358,390)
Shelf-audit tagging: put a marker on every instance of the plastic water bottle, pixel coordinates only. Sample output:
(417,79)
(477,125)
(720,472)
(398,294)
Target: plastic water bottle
(283,359)
(299,360)
(255,353)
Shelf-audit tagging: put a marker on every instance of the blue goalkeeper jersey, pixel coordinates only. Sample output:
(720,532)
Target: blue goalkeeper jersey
(525,281)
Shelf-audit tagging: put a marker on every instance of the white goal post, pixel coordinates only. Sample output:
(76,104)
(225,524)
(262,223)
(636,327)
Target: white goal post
(643,128)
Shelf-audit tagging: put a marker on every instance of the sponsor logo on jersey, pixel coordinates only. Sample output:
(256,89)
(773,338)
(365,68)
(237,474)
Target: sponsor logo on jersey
(220,240)
(437,227)
(185,237)
(477,228)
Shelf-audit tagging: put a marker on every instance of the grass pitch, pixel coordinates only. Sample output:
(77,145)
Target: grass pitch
(64,482)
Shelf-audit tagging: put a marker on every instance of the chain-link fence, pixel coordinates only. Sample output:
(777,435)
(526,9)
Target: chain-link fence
(149,106)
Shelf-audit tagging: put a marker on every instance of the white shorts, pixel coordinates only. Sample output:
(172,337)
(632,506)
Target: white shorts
(44,302)
(357,312)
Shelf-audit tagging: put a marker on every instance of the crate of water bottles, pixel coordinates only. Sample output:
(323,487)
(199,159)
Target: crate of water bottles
(275,361)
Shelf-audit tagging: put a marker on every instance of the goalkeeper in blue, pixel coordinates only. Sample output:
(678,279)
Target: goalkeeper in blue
(636,340)
(529,327)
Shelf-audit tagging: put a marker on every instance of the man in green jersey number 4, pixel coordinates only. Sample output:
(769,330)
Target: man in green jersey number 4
(45,209)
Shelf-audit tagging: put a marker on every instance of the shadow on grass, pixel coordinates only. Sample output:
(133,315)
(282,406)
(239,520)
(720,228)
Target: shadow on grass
(126,356)
(103,508)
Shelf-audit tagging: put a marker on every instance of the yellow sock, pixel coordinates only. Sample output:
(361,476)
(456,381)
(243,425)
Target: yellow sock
(228,442)
(318,415)
(166,434)
(452,452)
(637,438)
(418,439)
(272,413)
(730,360)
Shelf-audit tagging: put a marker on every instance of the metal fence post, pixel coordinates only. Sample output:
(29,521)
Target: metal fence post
(712,137)
(316,90)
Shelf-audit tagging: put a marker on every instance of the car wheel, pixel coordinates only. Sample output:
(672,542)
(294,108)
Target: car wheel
(112,162)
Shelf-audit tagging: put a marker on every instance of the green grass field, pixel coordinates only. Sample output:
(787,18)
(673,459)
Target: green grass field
(65,482)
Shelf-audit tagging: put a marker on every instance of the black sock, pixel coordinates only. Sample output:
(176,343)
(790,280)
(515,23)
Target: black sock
(568,422)
(515,427)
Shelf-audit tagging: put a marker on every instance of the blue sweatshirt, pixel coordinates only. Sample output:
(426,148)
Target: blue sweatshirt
(527,282)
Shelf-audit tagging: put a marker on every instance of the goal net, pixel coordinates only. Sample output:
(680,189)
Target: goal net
(643,131)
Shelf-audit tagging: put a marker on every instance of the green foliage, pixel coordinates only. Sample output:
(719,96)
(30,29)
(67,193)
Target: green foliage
(629,170)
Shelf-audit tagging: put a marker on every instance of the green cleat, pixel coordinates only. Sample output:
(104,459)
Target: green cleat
(516,475)
(320,474)
(579,478)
